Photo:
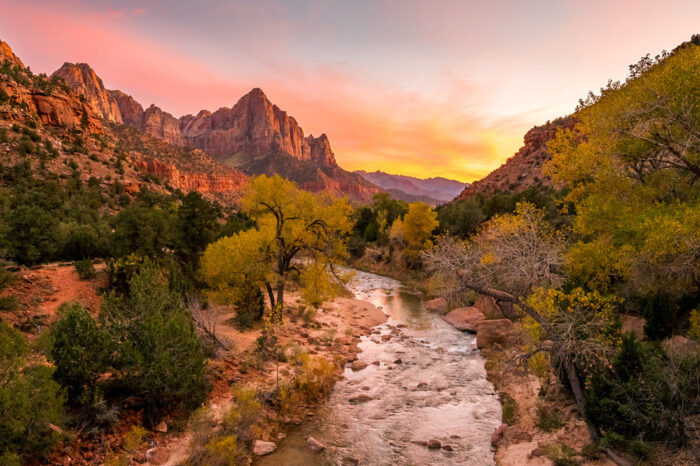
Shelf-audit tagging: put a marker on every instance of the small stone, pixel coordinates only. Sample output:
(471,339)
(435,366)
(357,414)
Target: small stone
(314,445)
(162,427)
(376,363)
(158,455)
(350,461)
(386,337)
(447,448)
(261,447)
(361,398)
(358,365)
(537,452)
(498,433)
(434,444)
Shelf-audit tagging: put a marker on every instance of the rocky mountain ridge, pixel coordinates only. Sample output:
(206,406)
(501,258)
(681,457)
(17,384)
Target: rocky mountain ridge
(524,168)
(40,114)
(253,136)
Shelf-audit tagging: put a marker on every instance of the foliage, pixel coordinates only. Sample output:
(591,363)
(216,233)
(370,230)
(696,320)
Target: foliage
(80,353)
(158,350)
(514,252)
(632,165)
(85,269)
(290,223)
(9,303)
(415,230)
(31,401)
(386,210)
(548,418)
(647,393)
(250,306)
(267,344)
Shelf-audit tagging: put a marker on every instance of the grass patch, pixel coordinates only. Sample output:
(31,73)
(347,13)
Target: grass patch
(548,417)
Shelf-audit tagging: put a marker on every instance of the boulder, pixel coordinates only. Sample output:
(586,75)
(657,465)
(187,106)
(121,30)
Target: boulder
(158,455)
(494,331)
(162,427)
(361,398)
(261,447)
(489,307)
(498,434)
(434,444)
(465,318)
(358,365)
(314,445)
(438,305)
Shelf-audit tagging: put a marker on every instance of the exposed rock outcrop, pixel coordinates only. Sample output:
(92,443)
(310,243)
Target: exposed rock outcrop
(162,125)
(59,108)
(83,80)
(131,111)
(226,181)
(7,55)
(524,169)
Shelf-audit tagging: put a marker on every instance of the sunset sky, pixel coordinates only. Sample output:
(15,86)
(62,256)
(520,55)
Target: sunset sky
(423,88)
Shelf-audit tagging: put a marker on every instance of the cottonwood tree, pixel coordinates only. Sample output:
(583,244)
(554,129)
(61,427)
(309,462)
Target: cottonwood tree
(415,229)
(515,258)
(293,228)
(632,166)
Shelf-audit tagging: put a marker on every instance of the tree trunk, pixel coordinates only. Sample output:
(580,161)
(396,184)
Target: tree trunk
(575,384)
(280,291)
(270,294)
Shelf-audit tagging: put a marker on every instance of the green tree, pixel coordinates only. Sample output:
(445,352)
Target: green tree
(80,352)
(158,349)
(415,230)
(31,402)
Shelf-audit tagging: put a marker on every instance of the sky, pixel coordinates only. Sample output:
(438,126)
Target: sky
(422,88)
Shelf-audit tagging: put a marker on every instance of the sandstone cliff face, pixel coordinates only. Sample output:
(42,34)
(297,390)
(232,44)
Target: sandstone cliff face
(153,121)
(130,110)
(228,181)
(256,127)
(83,80)
(524,169)
(7,55)
(58,108)
(162,125)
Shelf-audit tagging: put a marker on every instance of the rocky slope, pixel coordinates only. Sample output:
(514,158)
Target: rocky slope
(524,169)
(83,80)
(432,191)
(43,117)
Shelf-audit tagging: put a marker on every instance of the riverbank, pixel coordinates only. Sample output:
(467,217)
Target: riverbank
(325,339)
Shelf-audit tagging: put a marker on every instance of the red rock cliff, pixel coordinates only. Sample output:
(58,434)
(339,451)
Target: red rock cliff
(83,80)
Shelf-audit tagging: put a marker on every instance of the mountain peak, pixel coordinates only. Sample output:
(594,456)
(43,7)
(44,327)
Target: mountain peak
(83,80)
(7,55)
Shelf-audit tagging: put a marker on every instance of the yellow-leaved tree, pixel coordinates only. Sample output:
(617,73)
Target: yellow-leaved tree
(415,230)
(296,232)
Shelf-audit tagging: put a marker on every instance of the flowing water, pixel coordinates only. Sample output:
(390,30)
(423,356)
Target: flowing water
(430,383)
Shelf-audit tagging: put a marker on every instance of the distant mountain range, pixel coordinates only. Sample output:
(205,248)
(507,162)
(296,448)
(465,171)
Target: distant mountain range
(433,191)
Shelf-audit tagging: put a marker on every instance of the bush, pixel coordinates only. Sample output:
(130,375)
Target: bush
(548,417)
(510,409)
(647,394)
(159,352)
(9,303)
(80,353)
(85,269)
(31,401)
(250,306)
(660,314)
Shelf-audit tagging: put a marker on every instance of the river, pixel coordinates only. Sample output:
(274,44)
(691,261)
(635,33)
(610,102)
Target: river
(427,382)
